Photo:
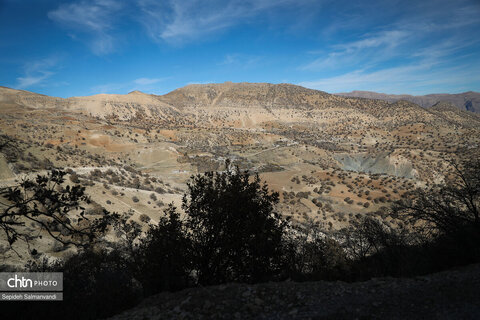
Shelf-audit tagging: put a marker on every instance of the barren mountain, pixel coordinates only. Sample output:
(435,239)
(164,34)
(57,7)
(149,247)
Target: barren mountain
(331,158)
(468,101)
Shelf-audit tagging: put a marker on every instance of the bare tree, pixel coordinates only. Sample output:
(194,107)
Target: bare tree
(449,207)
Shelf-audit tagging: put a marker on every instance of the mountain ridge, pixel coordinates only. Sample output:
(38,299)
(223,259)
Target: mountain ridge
(212,102)
(466,101)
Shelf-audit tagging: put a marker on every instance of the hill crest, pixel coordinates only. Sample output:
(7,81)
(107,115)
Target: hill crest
(467,101)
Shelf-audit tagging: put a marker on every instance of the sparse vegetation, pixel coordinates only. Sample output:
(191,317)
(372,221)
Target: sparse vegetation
(338,163)
(263,247)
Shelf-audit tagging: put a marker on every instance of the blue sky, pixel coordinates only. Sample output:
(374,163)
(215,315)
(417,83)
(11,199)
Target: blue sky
(73,48)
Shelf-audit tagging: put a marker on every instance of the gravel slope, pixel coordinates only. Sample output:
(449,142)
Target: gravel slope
(447,295)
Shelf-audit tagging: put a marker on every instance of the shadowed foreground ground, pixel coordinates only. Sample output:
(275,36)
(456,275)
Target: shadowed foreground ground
(446,295)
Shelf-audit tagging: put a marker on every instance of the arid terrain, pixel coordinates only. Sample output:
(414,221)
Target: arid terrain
(332,159)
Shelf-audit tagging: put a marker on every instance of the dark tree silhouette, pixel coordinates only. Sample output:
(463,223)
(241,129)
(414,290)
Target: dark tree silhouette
(51,206)
(162,260)
(447,208)
(236,233)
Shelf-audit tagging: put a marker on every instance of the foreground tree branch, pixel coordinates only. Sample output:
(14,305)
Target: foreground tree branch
(54,208)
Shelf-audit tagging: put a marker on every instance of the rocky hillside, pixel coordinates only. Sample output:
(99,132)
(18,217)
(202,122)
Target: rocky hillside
(253,99)
(332,159)
(230,94)
(467,101)
(445,295)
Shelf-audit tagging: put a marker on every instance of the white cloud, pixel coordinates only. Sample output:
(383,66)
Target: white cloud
(27,81)
(94,17)
(172,21)
(36,72)
(427,44)
(372,47)
(412,79)
(184,20)
(390,38)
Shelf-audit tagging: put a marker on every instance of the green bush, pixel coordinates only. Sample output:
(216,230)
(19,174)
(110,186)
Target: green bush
(235,232)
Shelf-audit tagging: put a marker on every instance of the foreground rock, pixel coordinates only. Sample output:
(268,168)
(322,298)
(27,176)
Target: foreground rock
(446,295)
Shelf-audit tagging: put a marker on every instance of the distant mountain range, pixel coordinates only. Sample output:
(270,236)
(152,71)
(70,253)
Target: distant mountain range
(468,101)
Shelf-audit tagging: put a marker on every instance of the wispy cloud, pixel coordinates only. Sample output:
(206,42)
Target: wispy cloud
(171,21)
(439,65)
(95,18)
(36,72)
(378,46)
(430,44)
(186,20)
(388,39)
(412,79)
